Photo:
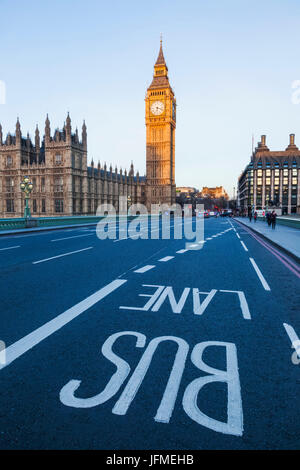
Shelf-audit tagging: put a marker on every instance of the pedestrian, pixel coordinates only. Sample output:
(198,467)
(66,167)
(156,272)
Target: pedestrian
(269,218)
(273,219)
(250,216)
(255,216)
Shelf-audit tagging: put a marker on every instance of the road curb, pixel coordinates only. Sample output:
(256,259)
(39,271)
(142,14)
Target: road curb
(280,247)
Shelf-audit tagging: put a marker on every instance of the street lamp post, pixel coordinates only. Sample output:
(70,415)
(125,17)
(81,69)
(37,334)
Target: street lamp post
(26,187)
(128,202)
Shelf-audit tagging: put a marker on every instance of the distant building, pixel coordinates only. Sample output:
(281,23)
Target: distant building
(214,193)
(185,189)
(271,179)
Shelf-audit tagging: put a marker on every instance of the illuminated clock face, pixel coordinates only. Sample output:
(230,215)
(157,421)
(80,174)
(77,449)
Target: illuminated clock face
(157,108)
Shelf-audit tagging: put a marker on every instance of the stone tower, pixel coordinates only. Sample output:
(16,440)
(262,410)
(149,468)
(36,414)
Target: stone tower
(160,114)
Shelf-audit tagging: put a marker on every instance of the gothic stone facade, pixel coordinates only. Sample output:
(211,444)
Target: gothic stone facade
(63,182)
(160,114)
(271,179)
(65,185)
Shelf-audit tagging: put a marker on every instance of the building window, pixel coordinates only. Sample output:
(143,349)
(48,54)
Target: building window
(10,205)
(259,181)
(42,185)
(58,184)
(43,205)
(259,172)
(34,205)
(268,181)
(58,159)
(59,205)
(9,184)
(294,171)
(285,196)
(8,160)
(268,172)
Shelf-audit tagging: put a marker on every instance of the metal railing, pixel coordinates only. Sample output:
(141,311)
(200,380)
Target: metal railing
(20,223)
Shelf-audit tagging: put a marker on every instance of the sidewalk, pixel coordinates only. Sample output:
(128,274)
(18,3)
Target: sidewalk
(284,237)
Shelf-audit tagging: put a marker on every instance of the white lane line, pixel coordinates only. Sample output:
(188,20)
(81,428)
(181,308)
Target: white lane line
(144,269)
(20,347)
(244,246)
(261,277)
(181,251)
(293,337)
(166,258)
(10,248)
(75,236)
(238,235)
(60,256)
(209,239)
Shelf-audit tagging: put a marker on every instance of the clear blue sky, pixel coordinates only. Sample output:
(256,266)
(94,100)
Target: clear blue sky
(231,64)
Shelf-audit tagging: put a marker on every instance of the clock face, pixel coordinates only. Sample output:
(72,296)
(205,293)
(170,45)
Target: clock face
(157,108)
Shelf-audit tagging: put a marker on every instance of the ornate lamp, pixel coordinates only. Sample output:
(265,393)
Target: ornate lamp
(26,187)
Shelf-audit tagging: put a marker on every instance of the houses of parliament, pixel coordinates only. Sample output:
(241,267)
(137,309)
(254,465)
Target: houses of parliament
(64,184)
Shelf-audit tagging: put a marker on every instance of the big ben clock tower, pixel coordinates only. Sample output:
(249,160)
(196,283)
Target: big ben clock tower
(160,112)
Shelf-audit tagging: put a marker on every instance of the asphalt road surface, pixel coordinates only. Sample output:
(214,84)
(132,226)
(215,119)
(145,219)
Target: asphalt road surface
(144,344)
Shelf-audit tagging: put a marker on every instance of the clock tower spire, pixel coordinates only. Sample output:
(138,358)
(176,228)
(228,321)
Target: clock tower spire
(160,114)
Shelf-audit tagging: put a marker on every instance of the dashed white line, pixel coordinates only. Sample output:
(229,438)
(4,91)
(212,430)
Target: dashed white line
(261,277)
(237,235)
(60,256)
(181,251)
(9,248)
(144,269)
(244,246)
(166,258)
(75,236)
(209,239)
(20,347)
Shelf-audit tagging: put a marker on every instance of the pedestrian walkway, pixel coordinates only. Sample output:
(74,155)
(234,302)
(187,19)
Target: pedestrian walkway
(287,238)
